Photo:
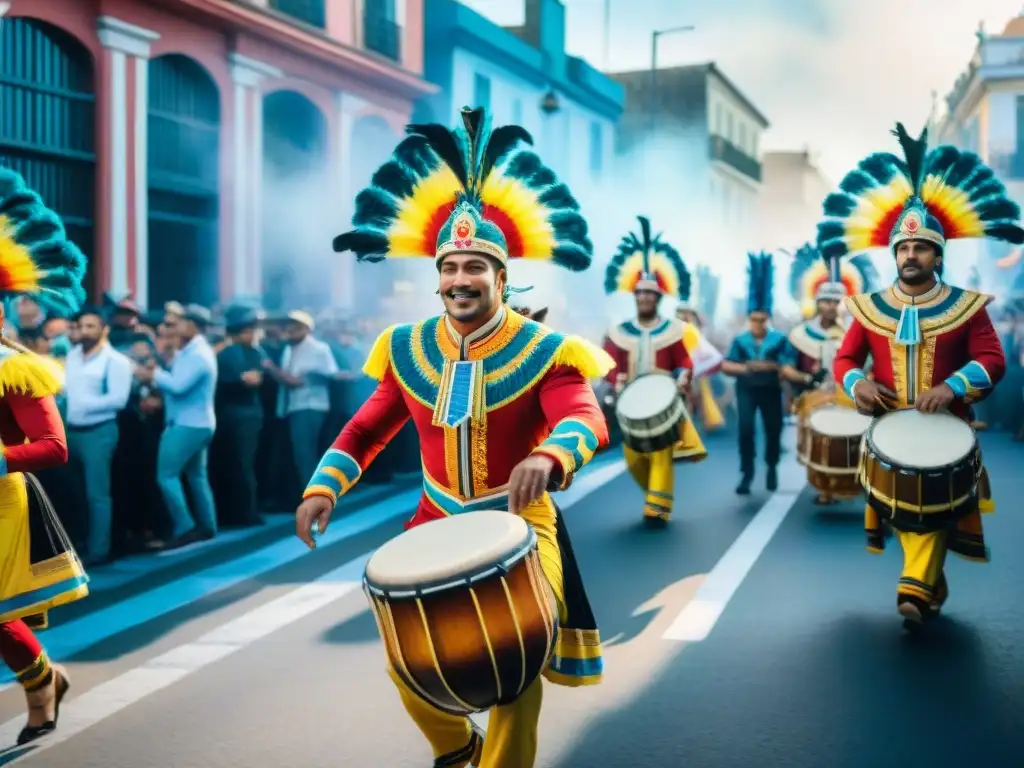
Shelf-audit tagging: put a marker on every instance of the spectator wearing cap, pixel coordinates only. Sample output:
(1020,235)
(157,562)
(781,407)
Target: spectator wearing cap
(98,384)
(304,400)
(188,391)
(239,410)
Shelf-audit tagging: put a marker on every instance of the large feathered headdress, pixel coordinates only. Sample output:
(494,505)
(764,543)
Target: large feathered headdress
(941,195)
(647,263)
(761,286)
(36,258)
(467,190)
(812,278)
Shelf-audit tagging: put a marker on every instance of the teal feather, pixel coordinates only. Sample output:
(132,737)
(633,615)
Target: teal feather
(631,244)
(761,276)
(805,257)
(60,265)
(914,151)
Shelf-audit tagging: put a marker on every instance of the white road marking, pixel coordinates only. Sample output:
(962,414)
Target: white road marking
(700,615)
(158,673)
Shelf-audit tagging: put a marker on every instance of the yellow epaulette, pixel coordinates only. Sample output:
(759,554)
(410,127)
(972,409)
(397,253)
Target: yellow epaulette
(587,358)
(379,359)
(28,373)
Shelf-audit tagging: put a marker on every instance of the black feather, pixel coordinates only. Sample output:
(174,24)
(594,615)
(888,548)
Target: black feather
(363,244)
(914,150)
(444,143)
(502,141)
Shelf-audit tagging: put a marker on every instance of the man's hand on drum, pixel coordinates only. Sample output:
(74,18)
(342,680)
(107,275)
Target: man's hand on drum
(873,398)
(314,509)
(935,399)
(528,481)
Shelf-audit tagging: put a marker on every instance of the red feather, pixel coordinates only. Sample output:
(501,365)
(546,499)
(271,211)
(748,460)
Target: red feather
(500,219)
(437,220)
(883,230)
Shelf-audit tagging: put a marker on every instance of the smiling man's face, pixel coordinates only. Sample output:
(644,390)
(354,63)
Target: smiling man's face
(471,286)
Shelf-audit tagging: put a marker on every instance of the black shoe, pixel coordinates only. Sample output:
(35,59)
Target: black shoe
(33,732)
(472,752)
(743,489)
(772,481)
(189,537)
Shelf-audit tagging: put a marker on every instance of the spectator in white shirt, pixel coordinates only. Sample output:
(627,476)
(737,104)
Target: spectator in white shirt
(98,383)
(304,399)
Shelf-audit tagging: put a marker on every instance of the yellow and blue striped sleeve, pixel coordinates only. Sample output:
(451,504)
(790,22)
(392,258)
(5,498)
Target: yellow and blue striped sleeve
(572,443)
(334,476)
(970,382)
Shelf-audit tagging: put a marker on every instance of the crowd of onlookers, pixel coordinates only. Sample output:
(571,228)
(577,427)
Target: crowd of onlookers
(185,420)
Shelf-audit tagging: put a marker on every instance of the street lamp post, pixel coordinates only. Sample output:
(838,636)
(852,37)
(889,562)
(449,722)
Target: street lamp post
(654,63)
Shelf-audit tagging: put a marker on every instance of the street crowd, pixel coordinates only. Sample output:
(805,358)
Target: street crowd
(185,421)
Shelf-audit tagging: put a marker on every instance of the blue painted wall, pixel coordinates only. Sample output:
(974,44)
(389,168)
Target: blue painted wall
(448,25)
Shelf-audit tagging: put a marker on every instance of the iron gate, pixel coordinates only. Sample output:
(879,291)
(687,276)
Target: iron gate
(47,122)
(184,182)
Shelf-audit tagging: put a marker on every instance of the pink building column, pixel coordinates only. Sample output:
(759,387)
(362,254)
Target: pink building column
(350,108)
(126,49)
(246,183)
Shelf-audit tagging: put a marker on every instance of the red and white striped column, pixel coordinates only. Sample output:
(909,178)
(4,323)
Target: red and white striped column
(247,177)
(124,226)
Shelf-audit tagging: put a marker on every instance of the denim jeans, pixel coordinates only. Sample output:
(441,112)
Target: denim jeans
(305,427)
(92,449)
(184,451)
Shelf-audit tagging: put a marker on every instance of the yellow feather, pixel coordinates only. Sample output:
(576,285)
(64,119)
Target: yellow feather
(379,359)
(521,205)
(631,269)
(26,373)
(955,205)
(405,236)
(872,208)
(586,357)
(663,269)
(18,272)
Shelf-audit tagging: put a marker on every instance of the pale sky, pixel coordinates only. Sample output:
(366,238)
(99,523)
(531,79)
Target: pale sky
(831,75)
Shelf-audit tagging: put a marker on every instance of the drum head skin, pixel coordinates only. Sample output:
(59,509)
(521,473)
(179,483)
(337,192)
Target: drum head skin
(446,549)
(922,440)
(647,396)
(837,421)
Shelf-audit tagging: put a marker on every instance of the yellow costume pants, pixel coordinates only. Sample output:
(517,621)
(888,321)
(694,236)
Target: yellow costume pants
(924,555)
(511,730)
(655,473)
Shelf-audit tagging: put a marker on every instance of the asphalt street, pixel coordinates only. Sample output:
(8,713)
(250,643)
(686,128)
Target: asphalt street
(753,631)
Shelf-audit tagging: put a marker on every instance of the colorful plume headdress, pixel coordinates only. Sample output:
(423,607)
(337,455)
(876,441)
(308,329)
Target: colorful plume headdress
(941,195)
(36,258)
(471,189)
(812,278)
(647,263)
(761,285)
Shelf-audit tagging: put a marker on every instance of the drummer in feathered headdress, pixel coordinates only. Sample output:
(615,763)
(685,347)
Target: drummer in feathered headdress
(759,358)
(503,404)
(649,269)
(820,286)
(932,344)
(38,568)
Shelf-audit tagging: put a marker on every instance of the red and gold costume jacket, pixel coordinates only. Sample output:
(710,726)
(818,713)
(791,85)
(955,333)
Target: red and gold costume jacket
(671,347)
(481,405)
(814,344)
(958,346)
(34,575)
(637,350)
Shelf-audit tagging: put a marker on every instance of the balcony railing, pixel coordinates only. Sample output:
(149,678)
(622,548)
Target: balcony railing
(382,36)
(724,151)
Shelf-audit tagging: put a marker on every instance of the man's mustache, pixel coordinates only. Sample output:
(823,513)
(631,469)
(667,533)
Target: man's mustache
(911,263)
(469,292)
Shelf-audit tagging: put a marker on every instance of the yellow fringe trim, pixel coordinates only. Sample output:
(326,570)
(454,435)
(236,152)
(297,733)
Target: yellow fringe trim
(379,359)
(25,373)
(20,272)
(586,357)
